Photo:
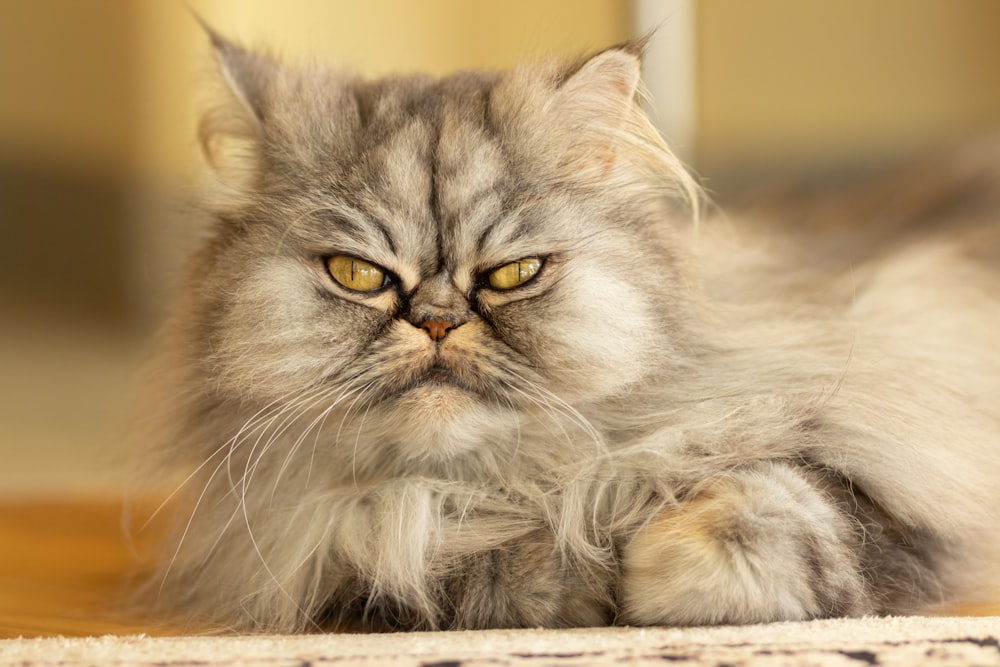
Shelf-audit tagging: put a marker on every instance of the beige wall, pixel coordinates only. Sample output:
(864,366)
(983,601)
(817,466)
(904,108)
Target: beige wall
(788,85)
(67,83)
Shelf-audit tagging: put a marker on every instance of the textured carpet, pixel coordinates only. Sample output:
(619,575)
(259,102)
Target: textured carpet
(909,642)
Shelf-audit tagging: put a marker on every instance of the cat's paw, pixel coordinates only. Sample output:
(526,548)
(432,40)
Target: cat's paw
(753,546)
(525,584)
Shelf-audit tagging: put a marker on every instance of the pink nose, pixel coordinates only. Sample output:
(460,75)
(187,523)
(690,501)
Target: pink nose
(437,329)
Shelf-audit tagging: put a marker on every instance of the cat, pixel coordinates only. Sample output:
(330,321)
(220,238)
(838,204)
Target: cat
(469,352)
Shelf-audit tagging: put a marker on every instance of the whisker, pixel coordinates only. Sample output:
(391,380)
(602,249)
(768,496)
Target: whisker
(291,411)
(198,469)
(319,419)
(261,420)
(357,439)
(256,421)
(552,404)
(361,394)
(303,409)
(188,524)
(261,424)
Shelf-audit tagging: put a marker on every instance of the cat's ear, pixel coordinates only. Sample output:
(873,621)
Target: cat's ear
(596,104)
(248,75)
(603,89)
(231,132)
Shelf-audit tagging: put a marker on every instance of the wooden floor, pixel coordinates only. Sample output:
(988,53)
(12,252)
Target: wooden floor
(65,567)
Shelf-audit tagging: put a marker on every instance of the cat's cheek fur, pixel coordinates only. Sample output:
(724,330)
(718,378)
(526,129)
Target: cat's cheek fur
(604,341)
(754,546)
(272,338)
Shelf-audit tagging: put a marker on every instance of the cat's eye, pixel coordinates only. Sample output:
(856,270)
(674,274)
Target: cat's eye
(514,274)
(356,274)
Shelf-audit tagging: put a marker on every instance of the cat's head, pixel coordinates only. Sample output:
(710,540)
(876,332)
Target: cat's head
(441,255)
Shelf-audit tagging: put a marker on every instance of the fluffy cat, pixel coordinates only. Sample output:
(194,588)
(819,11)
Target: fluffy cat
(456,353)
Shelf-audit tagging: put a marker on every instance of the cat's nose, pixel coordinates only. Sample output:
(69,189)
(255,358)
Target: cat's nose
(437,329)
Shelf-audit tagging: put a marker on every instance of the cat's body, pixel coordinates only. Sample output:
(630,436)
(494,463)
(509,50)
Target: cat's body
(454,356)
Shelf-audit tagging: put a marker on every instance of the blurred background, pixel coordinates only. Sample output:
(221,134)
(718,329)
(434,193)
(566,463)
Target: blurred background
(99,100)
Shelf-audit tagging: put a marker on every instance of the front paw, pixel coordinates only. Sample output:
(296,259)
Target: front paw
(525,584)
(754,546)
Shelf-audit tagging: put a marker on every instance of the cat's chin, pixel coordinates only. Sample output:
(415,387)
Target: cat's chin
(438,421)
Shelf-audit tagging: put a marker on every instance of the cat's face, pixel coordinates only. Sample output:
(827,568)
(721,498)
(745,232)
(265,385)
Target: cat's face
(441,257)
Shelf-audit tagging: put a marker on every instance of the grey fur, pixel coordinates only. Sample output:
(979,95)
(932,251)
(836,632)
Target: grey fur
(673,423)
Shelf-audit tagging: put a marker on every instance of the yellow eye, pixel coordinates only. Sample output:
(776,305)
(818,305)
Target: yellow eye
(514,274)
(356,274)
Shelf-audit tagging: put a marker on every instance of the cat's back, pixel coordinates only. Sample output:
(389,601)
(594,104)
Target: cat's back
(825,240)
(949,196)
(886,292)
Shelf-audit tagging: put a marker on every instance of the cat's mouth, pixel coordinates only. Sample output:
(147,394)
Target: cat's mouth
(439,374)
(442,375)
(434,372)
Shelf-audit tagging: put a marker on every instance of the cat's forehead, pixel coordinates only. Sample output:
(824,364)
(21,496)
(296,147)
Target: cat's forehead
(431,164)
(422,133)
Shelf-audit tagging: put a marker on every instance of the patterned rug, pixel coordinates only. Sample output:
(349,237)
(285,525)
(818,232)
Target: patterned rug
(909,642)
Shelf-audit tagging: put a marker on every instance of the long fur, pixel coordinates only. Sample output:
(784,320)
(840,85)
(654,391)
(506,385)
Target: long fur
(673,423)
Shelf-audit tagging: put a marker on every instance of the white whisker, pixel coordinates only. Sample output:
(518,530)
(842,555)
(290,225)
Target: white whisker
(547,400)
(344,392)
(289,413)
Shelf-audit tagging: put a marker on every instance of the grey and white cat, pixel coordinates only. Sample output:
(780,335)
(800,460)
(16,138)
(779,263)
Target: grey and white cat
(456,354)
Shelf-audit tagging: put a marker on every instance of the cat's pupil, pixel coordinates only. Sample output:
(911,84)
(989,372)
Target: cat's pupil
(356,274)
(515,273)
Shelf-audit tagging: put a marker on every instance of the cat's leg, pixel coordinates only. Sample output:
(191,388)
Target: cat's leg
(756,545)
(525,583)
